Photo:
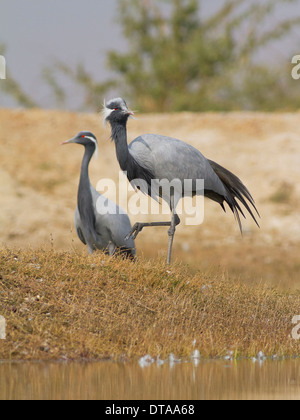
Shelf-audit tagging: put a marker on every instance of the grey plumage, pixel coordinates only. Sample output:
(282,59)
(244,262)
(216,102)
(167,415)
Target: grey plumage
(100,223)
(155,157)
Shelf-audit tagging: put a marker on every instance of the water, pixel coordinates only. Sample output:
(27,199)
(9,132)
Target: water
(205,380)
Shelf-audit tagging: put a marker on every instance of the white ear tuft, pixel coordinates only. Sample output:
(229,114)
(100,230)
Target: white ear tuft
(105,113)
(96,145)
(96,150)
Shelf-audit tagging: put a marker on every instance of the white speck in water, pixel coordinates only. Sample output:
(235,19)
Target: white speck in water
(146,361)
(229,356)
(260,356)
(196,356)
(159,361)
(173,360)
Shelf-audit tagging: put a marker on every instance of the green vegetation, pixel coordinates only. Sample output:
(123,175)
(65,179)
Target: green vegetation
(72,306)
(12,87)
(178,59)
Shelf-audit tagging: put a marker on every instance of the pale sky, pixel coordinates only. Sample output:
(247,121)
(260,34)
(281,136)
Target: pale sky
(37,33)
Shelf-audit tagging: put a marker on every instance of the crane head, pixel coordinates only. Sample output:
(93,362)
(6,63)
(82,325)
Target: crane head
(85,138)
(116,110)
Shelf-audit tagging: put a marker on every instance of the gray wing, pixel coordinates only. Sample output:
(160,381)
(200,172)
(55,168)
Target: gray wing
(169,158)
(119,229)
(112,222)
(173,158)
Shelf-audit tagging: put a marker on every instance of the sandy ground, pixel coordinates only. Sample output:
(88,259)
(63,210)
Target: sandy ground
(39,181)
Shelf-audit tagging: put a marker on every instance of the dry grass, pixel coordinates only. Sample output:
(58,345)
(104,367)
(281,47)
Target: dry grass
(59,303)
(65,305)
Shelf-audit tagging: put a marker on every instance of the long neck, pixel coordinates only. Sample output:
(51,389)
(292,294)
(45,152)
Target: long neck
(84,199)
(84,174)
(135,171)
(119,136)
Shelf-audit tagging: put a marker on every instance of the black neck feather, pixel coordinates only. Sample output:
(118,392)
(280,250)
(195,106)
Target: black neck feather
(127,162)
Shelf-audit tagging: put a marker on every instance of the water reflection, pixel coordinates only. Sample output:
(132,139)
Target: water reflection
(113,381)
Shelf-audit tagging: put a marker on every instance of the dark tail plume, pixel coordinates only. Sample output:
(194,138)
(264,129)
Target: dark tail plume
(236,190)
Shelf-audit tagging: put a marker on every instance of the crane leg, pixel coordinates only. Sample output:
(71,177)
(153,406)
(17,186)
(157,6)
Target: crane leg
(171,232)
(138,227)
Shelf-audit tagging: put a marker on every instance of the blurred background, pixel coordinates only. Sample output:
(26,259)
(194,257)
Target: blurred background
(217,74)
(221,55)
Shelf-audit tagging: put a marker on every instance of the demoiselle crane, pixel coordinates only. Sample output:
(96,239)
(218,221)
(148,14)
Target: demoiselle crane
(153,157)
(100,223)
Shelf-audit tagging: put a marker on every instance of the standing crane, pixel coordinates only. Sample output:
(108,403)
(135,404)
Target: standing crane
(100,223)
(153,157)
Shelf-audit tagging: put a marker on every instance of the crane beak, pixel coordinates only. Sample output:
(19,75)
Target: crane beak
(127,112)
(130,114)
(68,141)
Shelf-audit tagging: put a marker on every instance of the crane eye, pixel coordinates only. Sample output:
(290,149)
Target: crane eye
(83,137)
(116,109)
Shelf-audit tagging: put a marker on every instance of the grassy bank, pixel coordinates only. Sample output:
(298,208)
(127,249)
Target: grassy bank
(66,305)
